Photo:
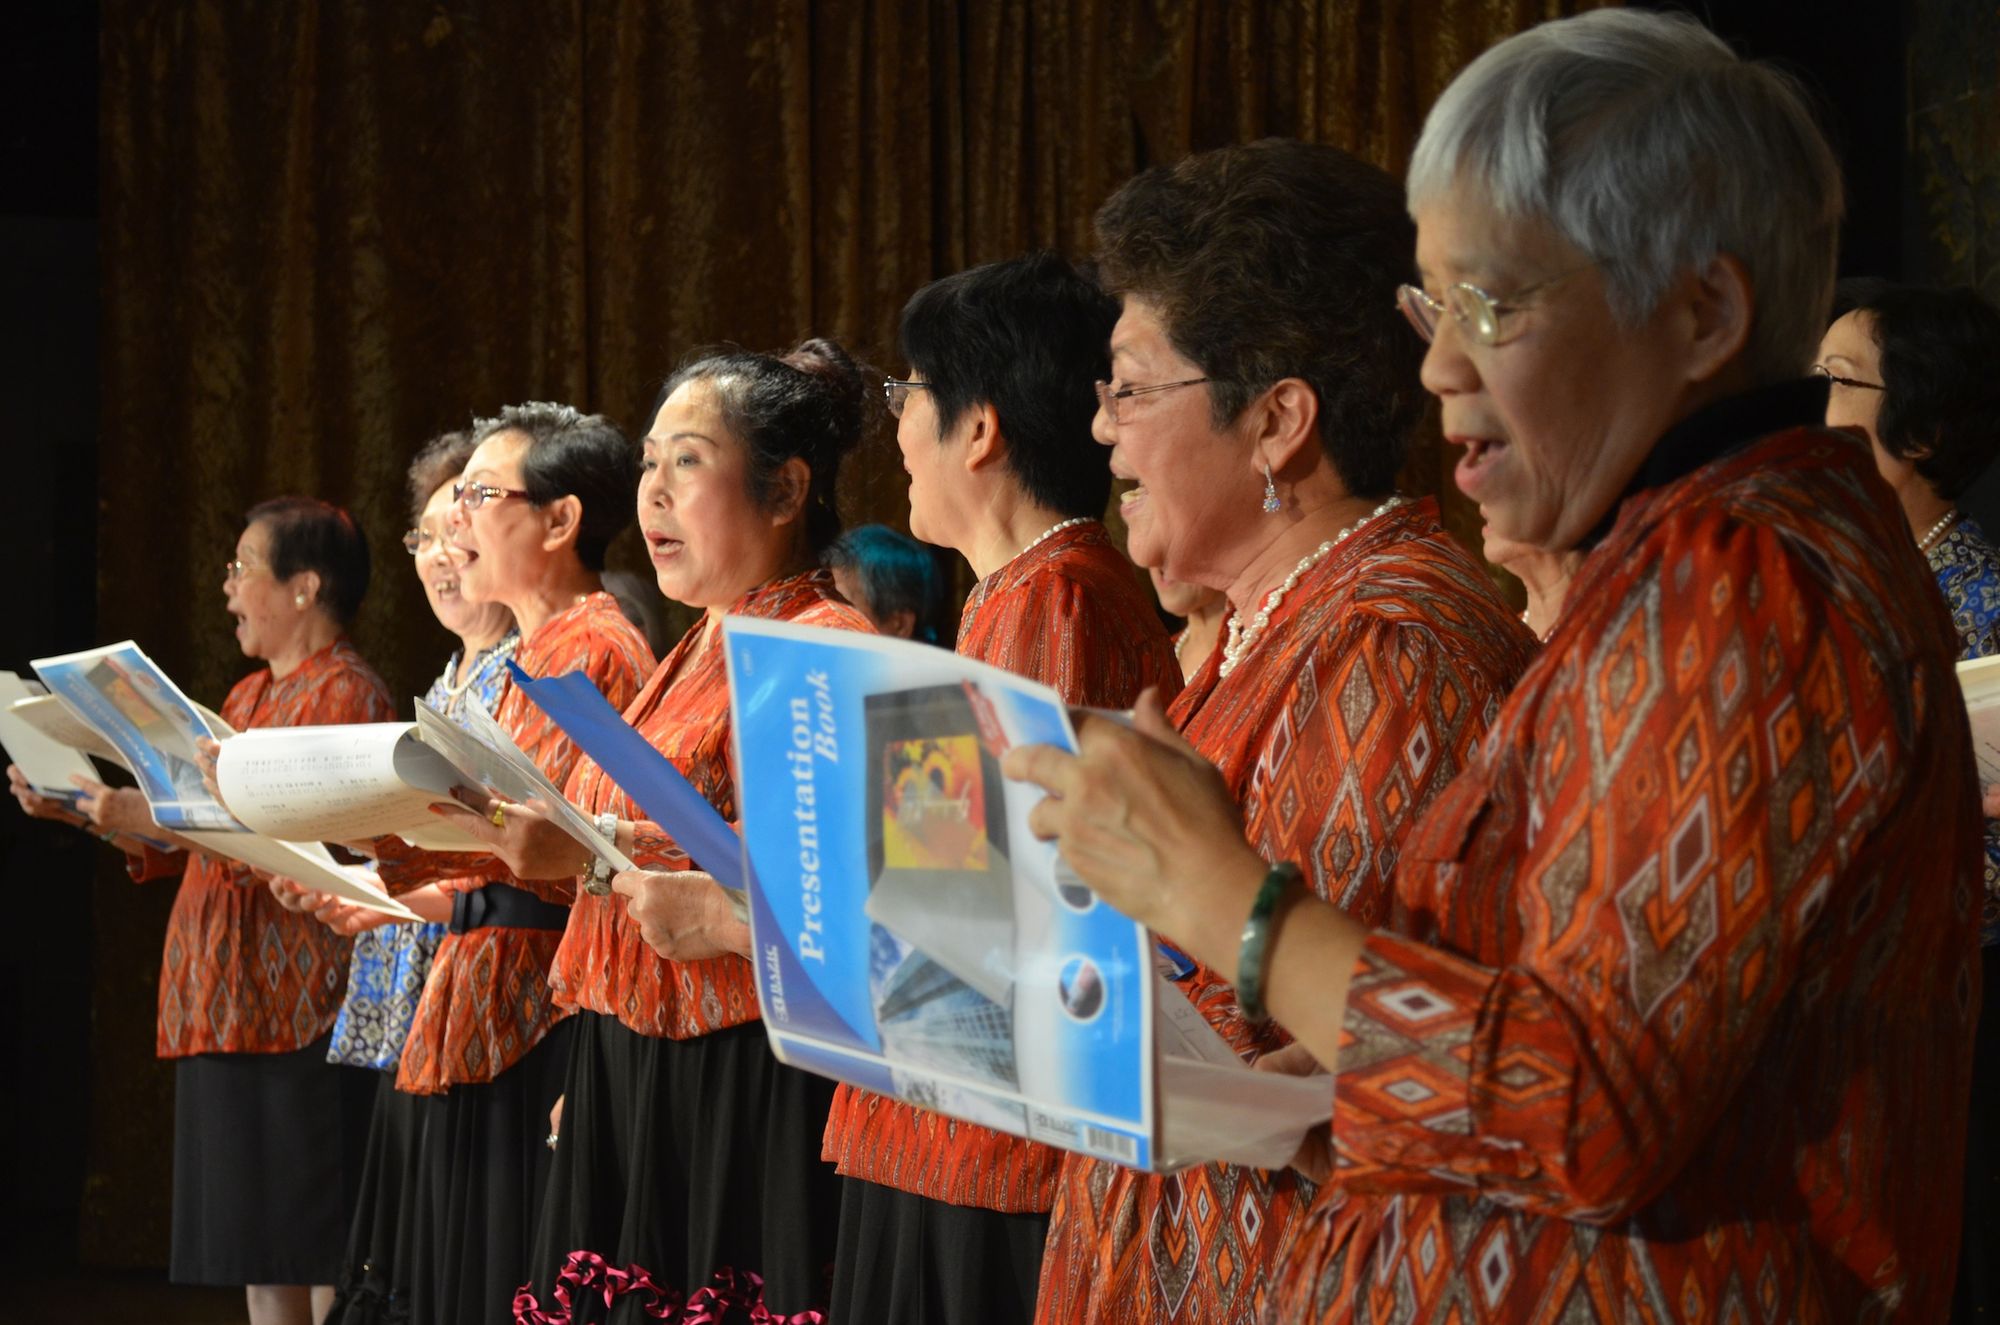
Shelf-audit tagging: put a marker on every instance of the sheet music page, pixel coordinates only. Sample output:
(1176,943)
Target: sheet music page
(342,783)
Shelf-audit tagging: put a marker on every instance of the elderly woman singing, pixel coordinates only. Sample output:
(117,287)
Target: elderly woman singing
(1672,1017)
(1261,399)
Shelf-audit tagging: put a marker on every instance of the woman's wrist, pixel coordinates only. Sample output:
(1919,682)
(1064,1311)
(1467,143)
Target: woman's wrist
(1205,919)
(1275,893)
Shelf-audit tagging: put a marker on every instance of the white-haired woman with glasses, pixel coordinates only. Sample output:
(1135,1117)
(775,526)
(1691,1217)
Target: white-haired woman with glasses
(1672,1017)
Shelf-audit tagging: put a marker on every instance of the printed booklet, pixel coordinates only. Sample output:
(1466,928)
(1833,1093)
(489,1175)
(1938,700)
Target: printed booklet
(912,937)
(117,703)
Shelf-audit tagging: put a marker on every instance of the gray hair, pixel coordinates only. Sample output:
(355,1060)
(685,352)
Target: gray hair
(1652,147)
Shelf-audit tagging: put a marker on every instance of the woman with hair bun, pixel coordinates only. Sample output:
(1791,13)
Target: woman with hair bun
(687,1161)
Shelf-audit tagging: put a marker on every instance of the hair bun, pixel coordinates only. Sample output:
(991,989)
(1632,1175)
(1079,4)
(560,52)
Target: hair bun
(841,378)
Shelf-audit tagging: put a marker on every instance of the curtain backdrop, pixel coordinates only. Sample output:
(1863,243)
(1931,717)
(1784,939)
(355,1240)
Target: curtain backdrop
(331,230)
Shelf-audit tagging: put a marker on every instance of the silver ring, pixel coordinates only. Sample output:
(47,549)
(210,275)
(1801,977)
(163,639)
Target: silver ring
(552,1140)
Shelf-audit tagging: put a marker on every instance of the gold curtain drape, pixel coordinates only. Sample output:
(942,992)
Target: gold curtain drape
(332,229)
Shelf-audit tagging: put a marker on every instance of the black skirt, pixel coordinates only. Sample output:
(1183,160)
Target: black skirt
(374,1285)
(910,1260)
(480,1182)
(686,1169)
(1977,1295)
(267,1161)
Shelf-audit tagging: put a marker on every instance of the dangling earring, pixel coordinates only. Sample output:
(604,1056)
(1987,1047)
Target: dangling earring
(1271,503)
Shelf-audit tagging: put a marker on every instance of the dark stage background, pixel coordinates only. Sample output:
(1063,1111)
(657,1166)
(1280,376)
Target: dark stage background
(255,248)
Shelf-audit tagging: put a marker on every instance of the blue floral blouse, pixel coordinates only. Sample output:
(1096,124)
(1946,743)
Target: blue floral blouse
(1968,571)
(385,978)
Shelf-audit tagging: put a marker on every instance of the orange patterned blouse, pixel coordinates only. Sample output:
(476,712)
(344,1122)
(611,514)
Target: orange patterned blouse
(603,965)
(241,974)
(1069,613)
(486,1003)
(1674,1017)
(1370,690)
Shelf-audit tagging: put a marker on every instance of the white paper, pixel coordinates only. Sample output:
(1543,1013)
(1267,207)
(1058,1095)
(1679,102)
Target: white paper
(1237,1114)
(47,715)
(47,764)
(306,863)
(1979,679)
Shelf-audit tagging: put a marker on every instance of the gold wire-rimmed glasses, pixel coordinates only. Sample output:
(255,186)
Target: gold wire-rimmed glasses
(1481,315)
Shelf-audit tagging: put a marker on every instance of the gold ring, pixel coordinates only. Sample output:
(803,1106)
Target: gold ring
(499,815)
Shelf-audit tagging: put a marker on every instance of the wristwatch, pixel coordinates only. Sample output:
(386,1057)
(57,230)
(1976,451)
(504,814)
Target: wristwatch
(598,881)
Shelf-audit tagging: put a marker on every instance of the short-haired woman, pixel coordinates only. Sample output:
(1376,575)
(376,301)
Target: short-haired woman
(1673,1015)
(1918,371)
(385,979)
(893,579)
(942,1221)
(268,1133)
(543,493)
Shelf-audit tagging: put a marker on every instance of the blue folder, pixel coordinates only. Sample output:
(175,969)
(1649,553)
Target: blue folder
(646,775)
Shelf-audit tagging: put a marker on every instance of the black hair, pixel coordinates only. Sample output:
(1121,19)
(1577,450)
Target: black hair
(1281,259)
(306,534)
(440,460)
(897,573)
(808,403)
(573,454)
(1940,365)
(1030,337)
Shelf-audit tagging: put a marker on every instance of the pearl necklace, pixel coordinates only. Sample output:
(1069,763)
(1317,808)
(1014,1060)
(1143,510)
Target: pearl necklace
(1241,639)
(503,648)
(1052,531)
(1930,535)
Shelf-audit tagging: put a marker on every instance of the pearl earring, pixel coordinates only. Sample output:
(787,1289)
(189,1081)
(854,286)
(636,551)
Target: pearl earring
(299,600)
(1271,504)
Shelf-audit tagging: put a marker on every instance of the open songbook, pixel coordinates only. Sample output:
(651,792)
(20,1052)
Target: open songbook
(912,936)
(116,704)
(287,790)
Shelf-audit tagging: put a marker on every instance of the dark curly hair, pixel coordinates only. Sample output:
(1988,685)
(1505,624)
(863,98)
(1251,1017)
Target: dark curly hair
(1029,336)
(441,460)
(1281,259)
(573,454)
(1940,377)
(810,403)
(307,534)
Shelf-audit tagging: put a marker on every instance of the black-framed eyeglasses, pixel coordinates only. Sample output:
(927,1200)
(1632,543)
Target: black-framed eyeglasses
(1481,315)
(472,496)
(895,391)
(1820,370)
(1109,394)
